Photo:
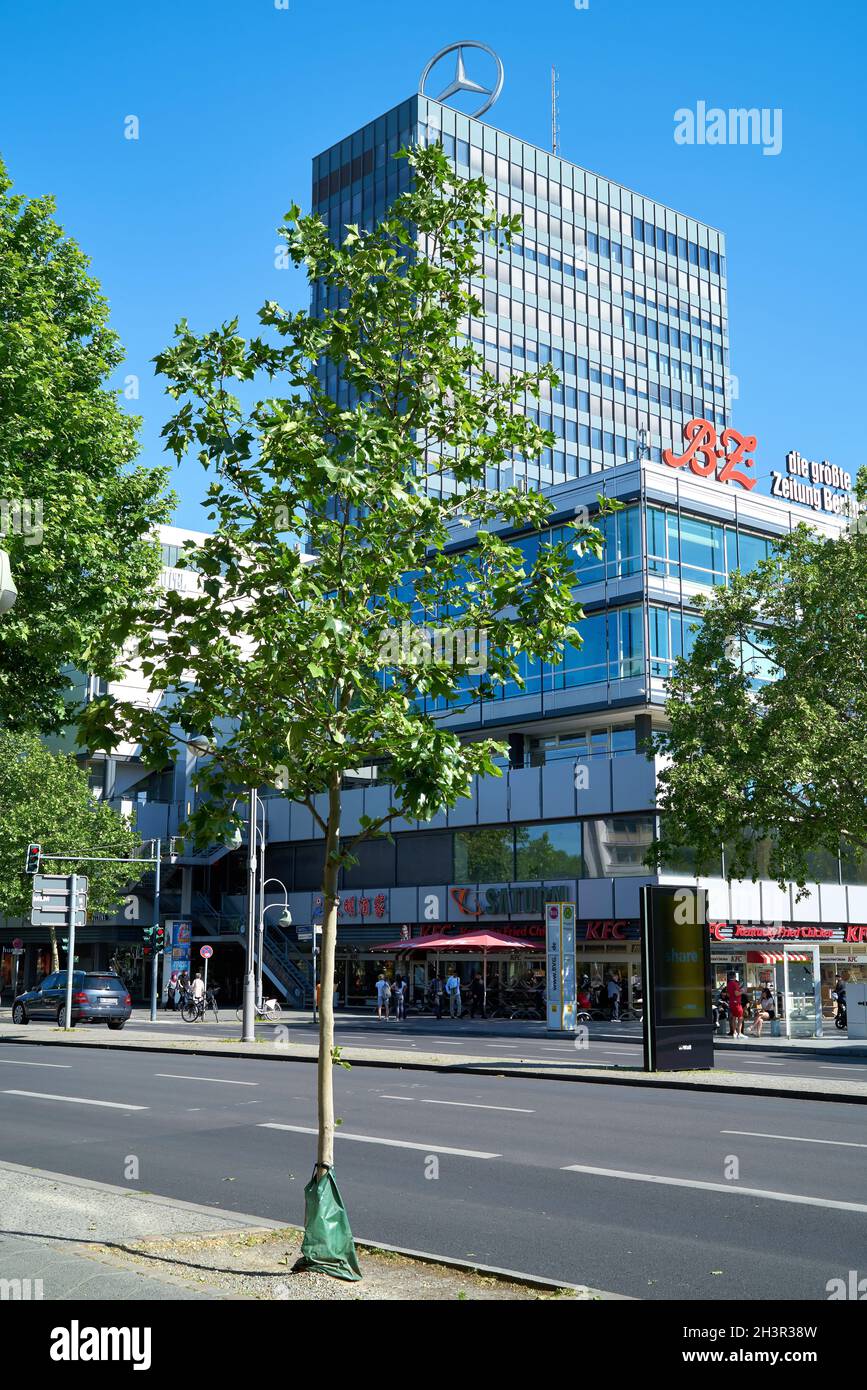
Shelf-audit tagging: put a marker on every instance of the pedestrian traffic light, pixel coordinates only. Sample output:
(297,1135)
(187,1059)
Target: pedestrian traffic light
(147,935)
(34,854)
(159,938)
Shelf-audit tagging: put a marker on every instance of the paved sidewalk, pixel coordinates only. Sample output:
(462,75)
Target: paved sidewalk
(35,1207)
(283,1044)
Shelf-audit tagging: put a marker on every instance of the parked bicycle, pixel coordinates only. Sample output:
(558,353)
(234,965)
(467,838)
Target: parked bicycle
(269,1011)
(193,1010)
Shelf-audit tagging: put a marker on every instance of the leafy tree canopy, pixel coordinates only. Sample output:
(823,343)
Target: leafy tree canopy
(768,715)
(76,514)
(45,799)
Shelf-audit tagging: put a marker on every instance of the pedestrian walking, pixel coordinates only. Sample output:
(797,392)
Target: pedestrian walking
(398,997)
(614,998)
(453,990)
(383,992)
(437,991)
(173,991)
(477,996)
(734,991)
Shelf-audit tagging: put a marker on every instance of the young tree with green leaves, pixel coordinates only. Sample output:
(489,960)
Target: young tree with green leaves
(45,799)
(767,735)
(288,666)
(76,514)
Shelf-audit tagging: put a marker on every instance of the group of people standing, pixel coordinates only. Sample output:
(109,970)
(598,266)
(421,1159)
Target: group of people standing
(180,987)
(391,996)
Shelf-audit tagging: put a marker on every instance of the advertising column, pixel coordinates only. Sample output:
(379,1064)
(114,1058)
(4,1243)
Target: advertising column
(561,994)
(676,969)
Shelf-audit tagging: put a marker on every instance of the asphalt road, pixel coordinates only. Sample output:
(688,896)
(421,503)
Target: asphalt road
(652,1194)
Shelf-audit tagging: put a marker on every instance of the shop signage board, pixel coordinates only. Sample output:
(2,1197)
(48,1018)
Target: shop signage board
(676,969)
(850,933)
(561,994)
(179,946)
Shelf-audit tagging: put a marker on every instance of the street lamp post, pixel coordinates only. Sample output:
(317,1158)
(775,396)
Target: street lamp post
(248,1026)
(8,591)
(285,921)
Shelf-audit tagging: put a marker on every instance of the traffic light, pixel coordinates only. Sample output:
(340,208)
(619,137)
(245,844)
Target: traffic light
(159,938)
(147,935)
(34,855)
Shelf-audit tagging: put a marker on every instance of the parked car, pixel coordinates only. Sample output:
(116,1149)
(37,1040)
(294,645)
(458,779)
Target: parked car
(98,996)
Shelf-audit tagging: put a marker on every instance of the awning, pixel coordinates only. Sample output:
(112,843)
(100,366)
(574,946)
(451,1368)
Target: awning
(777,957)
(468,941)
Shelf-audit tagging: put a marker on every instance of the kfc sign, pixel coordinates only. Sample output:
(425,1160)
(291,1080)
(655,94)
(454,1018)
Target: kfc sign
(704,457)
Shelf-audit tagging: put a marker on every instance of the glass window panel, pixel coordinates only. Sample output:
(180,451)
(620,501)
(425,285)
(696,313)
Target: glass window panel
(549,851)
(616,845)
(484,856)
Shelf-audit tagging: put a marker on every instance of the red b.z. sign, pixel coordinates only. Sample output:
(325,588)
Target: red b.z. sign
(702,453)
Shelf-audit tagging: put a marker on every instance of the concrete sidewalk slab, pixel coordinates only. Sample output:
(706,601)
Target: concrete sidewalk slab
(47,1221)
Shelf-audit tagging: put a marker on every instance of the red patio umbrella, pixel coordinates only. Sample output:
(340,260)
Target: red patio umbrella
(482,940)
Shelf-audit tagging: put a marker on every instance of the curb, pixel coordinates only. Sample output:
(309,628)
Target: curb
(599,1078)
(252,1225)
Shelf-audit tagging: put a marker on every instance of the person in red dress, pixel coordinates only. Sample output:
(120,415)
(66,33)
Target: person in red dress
(734,990)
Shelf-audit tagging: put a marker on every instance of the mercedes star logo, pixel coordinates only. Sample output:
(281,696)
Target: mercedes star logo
(462,83)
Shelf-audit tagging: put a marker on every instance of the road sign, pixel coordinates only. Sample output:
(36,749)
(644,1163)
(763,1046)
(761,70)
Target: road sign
(59,883)
(17,943)
(206,952)
(50,905)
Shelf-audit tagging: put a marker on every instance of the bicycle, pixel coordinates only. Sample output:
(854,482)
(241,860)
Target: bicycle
(193,1010)
(269,1011)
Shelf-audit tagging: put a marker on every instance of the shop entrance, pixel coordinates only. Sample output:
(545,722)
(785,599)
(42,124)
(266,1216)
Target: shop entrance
(793,976)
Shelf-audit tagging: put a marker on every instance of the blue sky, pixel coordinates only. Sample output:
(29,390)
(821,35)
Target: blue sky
(234,97)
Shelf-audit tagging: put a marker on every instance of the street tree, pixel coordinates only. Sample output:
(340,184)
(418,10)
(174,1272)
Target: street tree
(45,799)
(295,664)
(76,513)
(766,745)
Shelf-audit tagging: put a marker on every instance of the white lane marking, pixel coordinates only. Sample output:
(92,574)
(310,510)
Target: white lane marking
(464,1104)
(731,1188)
(757,1062)
(838,1066)
(391,1143)
(795,1138)
(13,1062)
(178,1076)
(473,1105)
(77,1100)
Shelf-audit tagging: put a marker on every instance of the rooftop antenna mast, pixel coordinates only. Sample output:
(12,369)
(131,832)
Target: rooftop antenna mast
(555,110)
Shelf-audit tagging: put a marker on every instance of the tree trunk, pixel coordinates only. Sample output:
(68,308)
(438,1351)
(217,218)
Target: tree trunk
(325,1071)
(55,954)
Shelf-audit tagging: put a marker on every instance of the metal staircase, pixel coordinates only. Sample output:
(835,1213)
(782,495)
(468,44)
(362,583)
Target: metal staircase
(285,966)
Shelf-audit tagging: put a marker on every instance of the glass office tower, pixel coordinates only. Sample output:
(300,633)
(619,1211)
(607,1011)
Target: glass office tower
(625,296)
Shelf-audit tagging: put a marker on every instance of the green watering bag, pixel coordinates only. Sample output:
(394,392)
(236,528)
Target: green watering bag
(327,1246)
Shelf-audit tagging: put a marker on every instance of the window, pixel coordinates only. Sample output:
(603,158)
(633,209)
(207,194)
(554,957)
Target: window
(616,845)
(549,851)
(484,855)
(434,865)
